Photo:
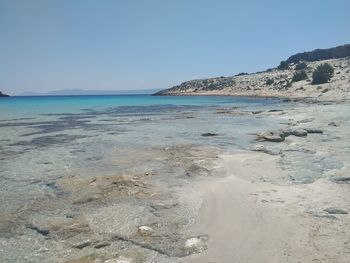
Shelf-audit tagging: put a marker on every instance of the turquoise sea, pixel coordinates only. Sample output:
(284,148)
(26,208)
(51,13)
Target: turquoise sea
(44,139)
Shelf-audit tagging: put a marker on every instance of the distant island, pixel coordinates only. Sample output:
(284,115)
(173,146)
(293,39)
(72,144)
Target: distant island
(321,73)
(3,95)
(77,92)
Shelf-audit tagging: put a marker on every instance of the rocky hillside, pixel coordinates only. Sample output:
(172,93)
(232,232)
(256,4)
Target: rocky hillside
(273,83)
(321,54)
(3,95)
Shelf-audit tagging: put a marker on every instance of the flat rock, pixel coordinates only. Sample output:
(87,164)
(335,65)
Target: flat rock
(262,148)
(271,136)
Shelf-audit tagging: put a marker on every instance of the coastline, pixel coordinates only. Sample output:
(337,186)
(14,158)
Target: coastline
(285,97)
(277,83)
(211,192)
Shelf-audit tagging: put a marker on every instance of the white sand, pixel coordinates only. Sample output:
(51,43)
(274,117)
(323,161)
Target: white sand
(249,220)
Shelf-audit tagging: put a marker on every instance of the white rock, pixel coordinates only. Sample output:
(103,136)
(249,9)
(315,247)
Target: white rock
(193,242)
(117,260)
(145,230)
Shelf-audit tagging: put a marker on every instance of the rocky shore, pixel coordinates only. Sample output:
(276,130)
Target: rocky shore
(3,95)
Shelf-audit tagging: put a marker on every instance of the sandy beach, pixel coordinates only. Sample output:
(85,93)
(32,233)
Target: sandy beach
(257,214)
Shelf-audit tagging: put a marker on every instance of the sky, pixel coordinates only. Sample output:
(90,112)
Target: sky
(48,45)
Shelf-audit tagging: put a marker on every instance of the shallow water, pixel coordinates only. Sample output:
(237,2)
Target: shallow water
(48,139)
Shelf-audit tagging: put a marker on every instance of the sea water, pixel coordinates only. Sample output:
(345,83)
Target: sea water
(46,137)
(43,139)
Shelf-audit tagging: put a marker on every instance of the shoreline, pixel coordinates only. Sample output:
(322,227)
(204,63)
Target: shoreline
(256,214)
(285,98)
(218,196)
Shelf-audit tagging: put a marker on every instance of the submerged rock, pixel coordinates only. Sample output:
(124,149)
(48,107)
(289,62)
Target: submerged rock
(209,134)
(262,148)
(341,180)
(299,132)
(59,227)
(313,130)
(334,124)
(280,135)
(335,211)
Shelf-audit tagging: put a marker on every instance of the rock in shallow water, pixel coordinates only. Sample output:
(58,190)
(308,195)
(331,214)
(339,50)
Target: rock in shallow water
(335,211)
(333,124)
(298,132)
(341,180)
(313,130)
(271,136)
(262,148)
(209,134)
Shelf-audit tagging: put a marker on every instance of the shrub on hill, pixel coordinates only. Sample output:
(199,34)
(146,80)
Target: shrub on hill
(300,66)
(283,65)
(269,82)
(321,54)
(242,74)
(322,74)
(298,76)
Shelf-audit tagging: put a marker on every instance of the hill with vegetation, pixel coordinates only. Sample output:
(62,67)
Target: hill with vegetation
(321,54)
(321,78)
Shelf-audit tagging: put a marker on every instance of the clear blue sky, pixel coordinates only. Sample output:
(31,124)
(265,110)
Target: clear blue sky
(128,44)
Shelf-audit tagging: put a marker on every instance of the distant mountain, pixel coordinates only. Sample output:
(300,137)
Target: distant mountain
(72,92)
(321,54)
(3,95)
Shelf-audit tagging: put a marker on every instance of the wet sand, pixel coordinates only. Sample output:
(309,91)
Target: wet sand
(259,213)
